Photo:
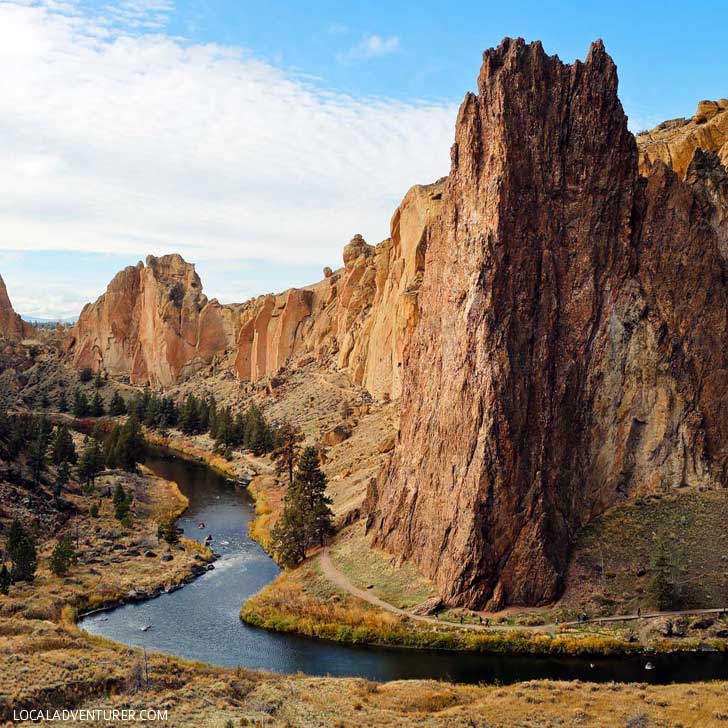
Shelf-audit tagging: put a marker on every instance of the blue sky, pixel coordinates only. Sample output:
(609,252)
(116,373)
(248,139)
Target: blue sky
(257,138)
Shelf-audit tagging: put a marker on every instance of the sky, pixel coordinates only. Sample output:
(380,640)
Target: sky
(256,138)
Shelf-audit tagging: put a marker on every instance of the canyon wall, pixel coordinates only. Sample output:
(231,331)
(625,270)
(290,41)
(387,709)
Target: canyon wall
(571,339)
(11,325)
(154,325)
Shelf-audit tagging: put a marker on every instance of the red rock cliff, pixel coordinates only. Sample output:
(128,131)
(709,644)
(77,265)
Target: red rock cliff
(11,325)
(153,324)
(570,345)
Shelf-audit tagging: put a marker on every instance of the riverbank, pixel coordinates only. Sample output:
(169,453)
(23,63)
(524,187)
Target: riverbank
(47,662)
(306,601)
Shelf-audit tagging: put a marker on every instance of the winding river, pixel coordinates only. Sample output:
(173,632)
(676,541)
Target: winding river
(201,622)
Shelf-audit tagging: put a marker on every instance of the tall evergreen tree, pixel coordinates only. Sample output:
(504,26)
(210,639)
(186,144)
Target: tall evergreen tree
(97,405)
(62,477)
(81,407)
(662,577)
(63,450)
(64,554)
(37,453)
(5,579)
(286,449)
(130,446)
(117,406)
(22,551)
(306,520)
(63,401)
(91,462)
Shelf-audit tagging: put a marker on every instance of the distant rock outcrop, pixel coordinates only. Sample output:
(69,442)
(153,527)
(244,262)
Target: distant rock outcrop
(153,324)
(11,325)
(674,142)
(571,338)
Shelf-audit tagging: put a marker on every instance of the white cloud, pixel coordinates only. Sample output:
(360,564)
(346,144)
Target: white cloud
(119,138)
(371,46)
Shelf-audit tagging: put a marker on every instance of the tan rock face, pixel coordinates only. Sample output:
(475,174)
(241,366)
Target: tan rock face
(674,142)
(153,324)
(358,318)
(11,325)
(570,344)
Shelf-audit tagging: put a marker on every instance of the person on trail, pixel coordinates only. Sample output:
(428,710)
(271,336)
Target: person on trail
(461,619)
(480,618)
(487,622)
(639,612)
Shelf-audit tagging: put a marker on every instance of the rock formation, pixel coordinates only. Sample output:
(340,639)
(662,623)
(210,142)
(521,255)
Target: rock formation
(553,314)
(571,339)
(675,141)
(153,324)
(11,325)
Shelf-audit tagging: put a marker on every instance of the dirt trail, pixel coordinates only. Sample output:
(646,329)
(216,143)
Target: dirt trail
(336,577)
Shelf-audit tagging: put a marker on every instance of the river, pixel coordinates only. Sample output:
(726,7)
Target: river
(201,621)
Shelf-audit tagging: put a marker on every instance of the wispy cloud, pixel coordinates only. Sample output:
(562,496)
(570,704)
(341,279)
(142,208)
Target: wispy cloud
(117,137)
(371,46)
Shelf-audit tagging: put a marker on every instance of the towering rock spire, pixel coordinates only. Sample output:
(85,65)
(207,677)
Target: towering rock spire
(558,362)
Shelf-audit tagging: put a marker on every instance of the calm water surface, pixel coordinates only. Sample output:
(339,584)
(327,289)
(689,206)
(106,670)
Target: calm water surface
(201,621)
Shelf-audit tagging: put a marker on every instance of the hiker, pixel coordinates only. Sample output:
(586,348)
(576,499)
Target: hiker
(461,619)
(639,612)
(480,618)
(487,621)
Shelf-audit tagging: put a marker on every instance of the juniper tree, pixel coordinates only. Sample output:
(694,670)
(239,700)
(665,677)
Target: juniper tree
(64,554)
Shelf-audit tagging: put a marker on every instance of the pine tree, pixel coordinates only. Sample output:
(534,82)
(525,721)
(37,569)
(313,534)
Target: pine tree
(287,449)
(257,436)
(80,404)
(130,446)
(117,406)
(167,530)
(86,374)
(22,552)
(37,453)
(662,585)
(97,405)
(63,450)
(312,482)
(307,518)
(62,477)
(91,462)
(288,535)
(4,579)
(63,401)
(64,554)
(189,420)
(122,505)
(98,382)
